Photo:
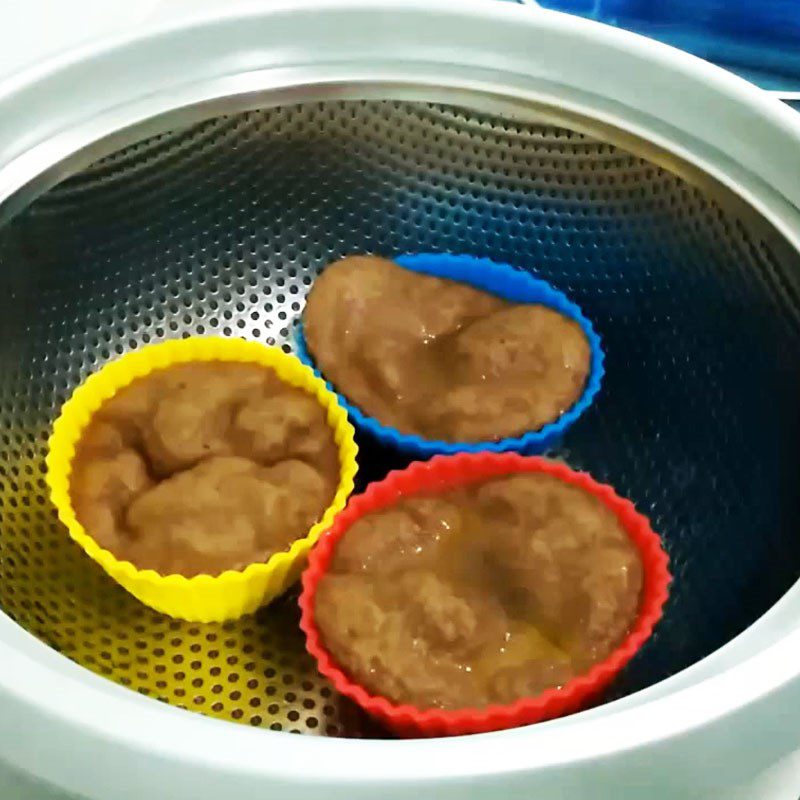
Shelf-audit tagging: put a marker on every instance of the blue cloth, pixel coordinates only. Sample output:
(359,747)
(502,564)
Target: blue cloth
(758,40)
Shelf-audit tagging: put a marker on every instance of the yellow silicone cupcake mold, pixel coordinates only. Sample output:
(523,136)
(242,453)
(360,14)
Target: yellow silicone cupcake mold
(202,598)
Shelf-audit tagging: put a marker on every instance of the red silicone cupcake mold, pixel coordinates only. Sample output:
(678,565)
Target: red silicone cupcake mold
(441,474)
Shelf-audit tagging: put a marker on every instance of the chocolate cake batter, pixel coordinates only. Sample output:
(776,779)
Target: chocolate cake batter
(483,594)
(204,467)
(441,359)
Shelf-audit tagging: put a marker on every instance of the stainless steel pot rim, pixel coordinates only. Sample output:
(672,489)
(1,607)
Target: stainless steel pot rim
(78,699)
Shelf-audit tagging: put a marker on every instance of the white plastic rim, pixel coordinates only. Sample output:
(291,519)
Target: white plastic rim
(714,725)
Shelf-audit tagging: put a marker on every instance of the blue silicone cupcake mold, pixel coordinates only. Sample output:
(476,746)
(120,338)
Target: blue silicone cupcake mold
(511,284)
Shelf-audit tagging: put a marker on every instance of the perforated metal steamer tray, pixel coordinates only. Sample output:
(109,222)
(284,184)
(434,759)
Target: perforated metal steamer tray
(222,226)
(216,221)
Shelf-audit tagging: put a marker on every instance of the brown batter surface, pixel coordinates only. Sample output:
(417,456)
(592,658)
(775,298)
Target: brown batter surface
(440,359)
(484,594)
(204,467)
